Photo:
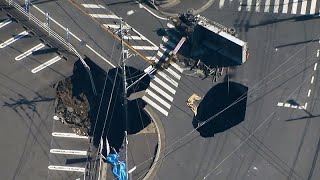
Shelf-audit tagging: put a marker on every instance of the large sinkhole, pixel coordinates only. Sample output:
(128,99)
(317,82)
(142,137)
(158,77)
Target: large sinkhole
(219,110)
(86,115)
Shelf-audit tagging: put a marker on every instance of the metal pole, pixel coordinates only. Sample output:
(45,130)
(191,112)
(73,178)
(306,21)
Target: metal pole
(125,100)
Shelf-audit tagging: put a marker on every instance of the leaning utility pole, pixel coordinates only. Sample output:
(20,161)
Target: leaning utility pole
(125,100)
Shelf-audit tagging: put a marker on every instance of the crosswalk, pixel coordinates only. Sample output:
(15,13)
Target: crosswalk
(111,21)
(302,7)
(164,82)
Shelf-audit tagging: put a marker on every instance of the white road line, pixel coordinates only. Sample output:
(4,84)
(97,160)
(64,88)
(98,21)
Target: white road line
(294,106)
(92,6)
(149,48)
(29,52)
(318,52)
(169,25)
(160,55)
(312,79)
(65,151)
(287,105)
(285,6)
(315,66)
(258,5)
(169,79)
(134,38)
(69,135)
(305,105)
(152,58)
(134,30)
(294,7)
(280,104)
(5,22)
(160,91)
(156,106)
(142,6)
(276,6)
(267,6)
(14,39)
(67,168)
(304,6)
(46,64)
(301,107)
(221,4)
(113,26)
(313,6)
(175,65)
(105,16)
(173,73)
(159,81)
(239,8)
(249,4)
(77,38)
(309,92)
(159,99)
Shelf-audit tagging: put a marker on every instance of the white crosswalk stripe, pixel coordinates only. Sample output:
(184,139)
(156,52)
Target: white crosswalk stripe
(273,6)
(107,16)
(5,22)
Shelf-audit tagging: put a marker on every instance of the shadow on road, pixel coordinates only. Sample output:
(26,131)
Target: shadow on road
(216,100)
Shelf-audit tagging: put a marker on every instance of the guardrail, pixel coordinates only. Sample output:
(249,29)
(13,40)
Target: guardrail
(52,33)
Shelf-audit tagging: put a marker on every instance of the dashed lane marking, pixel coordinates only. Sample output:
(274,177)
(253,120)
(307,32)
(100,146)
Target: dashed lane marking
(309,92)
(29,52)
(312,78)
(46,64)
(315,66)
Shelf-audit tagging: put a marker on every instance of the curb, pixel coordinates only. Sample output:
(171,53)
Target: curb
(161,144)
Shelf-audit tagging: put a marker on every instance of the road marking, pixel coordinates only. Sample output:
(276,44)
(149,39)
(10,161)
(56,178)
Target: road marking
(46,64)
(29,52)
(134,38)
(173,73)
(156,106)
(166,40)
(152,48)
(258,6)
(69,135)
(175,65)
(113,26)
(309,92)
(105,16)
(14,39)
(5,22)
(315,66)
(65,151)
(294,7)
(294,106)
(239,8)
(93,6)
(159,81)
(151,57)
(130,12)
(156,97)
(67,168)
(318,52)
(76,37)
(221,3)
(280,104)
(276,6)
(267,6)
(287,105)
(249,4)
(304,6)
(312,78)
(305,105)
(160,91)
(285,6)
(169,79)
(313,6)
(169,25)
(142,6)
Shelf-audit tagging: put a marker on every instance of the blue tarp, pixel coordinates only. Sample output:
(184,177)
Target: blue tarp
(118,167)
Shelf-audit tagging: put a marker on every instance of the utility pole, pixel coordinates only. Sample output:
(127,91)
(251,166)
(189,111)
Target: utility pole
(124,54)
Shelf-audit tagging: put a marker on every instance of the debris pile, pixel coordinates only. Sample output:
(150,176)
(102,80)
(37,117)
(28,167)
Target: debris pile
(72,110)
